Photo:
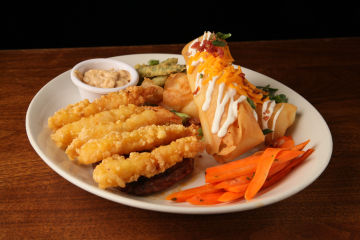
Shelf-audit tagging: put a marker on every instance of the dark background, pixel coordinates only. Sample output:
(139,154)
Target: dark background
(54,24)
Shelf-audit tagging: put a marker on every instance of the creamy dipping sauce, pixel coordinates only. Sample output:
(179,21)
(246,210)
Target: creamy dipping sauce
(105,78)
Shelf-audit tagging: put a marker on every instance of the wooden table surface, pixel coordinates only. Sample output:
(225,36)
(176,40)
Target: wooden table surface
(36,203)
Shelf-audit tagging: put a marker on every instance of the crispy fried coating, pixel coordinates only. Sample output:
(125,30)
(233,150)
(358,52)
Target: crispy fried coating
(153,115)
(153,94)
(71,113)
(166,67)
(118,170)
(141,139)
(132,95)
(65,135)
(178,95)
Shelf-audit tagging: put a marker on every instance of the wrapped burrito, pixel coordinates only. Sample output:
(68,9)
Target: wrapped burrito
(225,99)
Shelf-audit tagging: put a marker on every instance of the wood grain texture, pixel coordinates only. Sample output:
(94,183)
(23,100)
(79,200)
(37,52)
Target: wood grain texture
(36,203)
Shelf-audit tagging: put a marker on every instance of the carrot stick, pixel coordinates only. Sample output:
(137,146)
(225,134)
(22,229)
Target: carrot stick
(245,170)
(247,176)
(205,198)
(223,172)
(230,196)
(284,142)
(287,155)
(261,173)
(181,196)
(301,145)
(235,164)
(237,188)
(277,167)
(234,182)
(239,183)
(281,174)
(244,166)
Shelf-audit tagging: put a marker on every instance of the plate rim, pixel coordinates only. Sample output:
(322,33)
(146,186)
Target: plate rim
(217,209)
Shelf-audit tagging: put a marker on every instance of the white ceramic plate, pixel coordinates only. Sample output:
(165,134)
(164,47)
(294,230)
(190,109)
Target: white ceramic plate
(60,92)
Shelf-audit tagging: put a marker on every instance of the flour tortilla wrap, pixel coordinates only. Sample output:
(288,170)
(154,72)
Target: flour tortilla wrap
(285,119)
(242,135)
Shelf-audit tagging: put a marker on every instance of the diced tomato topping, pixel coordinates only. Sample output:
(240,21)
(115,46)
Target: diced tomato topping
(209,47)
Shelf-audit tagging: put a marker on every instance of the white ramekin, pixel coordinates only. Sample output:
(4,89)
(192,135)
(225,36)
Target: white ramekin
(89,92)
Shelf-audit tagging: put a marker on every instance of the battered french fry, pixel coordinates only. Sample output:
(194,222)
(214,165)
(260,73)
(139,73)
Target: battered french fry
(65,135)
(153,115)
(132,95)
(118,170)
(141,139)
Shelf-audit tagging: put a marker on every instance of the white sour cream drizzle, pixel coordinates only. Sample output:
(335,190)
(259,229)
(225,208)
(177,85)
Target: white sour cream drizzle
(255,115)
(232,115)
(220,106)
(198,82)
(192,51)
(208,94)
(206,36)
(267,111)
(275,119)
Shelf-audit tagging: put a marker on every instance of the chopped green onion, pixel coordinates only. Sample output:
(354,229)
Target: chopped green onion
(221,35)
(218,43)
(280,98)
(268,89)
(251,102)
(200,131)
(267,131)
(183,116)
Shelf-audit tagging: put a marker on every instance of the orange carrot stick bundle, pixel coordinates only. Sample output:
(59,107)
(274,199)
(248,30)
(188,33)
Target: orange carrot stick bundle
(246,177)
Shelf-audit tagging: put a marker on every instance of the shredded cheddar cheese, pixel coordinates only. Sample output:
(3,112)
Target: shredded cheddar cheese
(222,67)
